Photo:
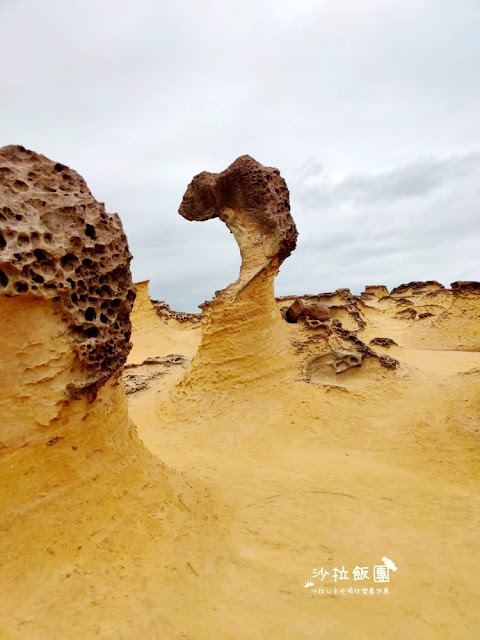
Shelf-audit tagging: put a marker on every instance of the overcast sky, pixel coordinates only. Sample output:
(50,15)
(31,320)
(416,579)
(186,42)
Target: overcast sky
(369,108)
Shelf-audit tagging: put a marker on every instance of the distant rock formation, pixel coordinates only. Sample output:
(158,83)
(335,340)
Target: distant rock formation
(154,330)
(465,285)
(375,291)
(414,287)
(168,315)
(243,325)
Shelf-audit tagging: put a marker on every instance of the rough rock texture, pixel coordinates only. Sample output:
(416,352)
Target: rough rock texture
(341,305)
(166,313)
(299,309)
(383,342)
(251,199)
(294,311)
(465,285)
(243,324)
(407,314)
(376,290)
(428,285)
(58,243)
(150,369)
(166,361)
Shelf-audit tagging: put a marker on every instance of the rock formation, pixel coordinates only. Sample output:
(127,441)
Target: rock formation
(415,287)
(79,488)
(383,342)
(58,244)
(465,285)
(175,318)
(299,309)
(243,326)
(243,336)
(154,328)
(374,291)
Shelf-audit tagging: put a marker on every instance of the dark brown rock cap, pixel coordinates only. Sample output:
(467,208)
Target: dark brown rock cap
(417,286)
(299,309)
(57,242)
(257,193)
(465,285)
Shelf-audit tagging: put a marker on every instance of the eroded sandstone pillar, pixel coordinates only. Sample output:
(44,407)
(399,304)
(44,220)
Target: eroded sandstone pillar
(65,293)
(244,335)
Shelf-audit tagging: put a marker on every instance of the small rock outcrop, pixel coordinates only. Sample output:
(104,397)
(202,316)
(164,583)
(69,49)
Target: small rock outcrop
(299,309)
(338,351)
(58,243)
(375,291)
(465,285)
(415,287)
(383,342)
(151,328)
(167,314)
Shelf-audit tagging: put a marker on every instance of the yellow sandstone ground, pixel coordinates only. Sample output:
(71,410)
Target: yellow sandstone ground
(338,472)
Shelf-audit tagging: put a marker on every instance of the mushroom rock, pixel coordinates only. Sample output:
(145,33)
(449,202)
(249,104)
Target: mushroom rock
(65,295)
(59,246)
(243,326)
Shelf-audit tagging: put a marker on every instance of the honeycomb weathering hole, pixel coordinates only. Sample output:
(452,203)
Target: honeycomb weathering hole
(57,242)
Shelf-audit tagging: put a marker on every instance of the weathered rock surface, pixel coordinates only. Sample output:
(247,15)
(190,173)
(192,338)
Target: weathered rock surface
(166,361)
(167,314)
(253,201)
(465,285)
(377,291)
(294,311)
(383,342)
(80,488)
(428,285)
(58,243)
(298,309)
(243,325)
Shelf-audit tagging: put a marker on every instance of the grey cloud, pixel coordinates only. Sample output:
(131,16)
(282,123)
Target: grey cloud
(427,227)
(417,179)
(139,97)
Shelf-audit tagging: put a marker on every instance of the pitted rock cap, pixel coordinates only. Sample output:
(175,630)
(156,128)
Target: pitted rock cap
(57,242)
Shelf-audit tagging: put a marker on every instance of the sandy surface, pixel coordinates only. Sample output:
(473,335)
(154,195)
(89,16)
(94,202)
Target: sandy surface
(337,473)
(240,490)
